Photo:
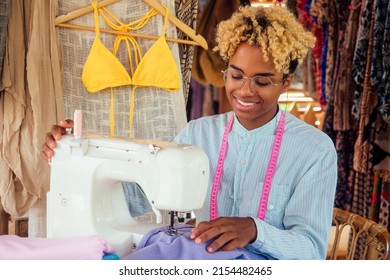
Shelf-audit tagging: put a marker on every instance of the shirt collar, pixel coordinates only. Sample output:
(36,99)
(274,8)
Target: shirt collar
(264,130)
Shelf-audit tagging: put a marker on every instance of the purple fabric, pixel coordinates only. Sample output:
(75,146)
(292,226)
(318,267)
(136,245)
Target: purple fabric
(157,245)
(13,247)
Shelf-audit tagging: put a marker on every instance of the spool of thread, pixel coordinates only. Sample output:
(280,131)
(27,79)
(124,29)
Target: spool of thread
(77,124)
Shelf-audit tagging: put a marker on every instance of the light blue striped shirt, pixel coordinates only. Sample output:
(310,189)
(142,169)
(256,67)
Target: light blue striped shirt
(300,205)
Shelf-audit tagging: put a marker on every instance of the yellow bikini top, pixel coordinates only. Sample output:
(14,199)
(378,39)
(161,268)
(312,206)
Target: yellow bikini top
(103,70)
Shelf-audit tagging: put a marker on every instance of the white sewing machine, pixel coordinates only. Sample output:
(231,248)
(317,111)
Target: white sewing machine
(86,195)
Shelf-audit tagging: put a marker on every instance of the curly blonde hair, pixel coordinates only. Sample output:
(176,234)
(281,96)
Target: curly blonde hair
(274,29)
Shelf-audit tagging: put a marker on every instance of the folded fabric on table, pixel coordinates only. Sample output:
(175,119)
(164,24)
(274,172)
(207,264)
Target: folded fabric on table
(158,245)
(92,247)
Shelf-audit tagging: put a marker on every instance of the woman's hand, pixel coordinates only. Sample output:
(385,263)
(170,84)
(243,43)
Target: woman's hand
(228,233)
(54,135)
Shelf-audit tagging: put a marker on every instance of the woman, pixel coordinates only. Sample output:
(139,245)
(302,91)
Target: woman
(274,179)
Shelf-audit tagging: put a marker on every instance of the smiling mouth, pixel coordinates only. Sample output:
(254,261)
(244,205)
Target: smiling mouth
(246,104)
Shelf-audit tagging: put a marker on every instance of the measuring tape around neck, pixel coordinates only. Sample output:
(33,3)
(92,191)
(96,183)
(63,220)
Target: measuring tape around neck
(269,175)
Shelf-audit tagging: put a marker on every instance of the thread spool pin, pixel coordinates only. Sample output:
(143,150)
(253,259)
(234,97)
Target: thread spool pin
(78,124)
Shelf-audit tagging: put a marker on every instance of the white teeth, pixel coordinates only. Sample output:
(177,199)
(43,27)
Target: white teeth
(244,103)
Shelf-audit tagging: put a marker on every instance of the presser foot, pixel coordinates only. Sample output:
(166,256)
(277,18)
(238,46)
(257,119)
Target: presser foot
(171,231)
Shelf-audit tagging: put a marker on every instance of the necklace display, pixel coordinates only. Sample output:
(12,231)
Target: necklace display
(279,131)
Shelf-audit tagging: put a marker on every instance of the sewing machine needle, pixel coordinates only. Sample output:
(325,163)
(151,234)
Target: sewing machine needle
(171,231)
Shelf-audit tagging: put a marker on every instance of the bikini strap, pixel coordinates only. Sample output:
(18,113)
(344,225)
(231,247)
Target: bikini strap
(96,17)
(165,20)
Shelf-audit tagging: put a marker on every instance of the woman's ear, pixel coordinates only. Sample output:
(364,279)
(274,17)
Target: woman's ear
(287,83)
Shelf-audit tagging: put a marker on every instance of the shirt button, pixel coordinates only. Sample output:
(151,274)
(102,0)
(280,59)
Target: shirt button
(243,161)
(270,207)
(249,135)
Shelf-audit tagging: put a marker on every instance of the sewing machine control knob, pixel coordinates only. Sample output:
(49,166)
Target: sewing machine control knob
(153,149)
(64,201)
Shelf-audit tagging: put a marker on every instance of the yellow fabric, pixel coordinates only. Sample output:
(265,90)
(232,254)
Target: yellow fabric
(156,68)
(102,69)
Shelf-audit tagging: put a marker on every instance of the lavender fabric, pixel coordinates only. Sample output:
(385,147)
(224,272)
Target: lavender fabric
(157,245)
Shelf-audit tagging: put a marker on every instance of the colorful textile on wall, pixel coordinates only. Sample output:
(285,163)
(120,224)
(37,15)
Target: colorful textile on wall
(4,15)
(344,85)
(380,69)
(362,42)
(360,56)
(186,11)
(380,204)
(384,206)
(345,152)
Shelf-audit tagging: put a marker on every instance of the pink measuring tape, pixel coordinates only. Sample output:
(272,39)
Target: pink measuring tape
(268,177)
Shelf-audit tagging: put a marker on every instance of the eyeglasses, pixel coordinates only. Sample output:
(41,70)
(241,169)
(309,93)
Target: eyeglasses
(236,79)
